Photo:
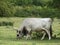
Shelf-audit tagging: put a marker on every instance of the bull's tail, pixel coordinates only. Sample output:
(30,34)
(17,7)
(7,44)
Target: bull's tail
(51,30)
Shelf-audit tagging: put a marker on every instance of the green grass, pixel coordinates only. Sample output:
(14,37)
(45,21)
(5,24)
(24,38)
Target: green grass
(8,34)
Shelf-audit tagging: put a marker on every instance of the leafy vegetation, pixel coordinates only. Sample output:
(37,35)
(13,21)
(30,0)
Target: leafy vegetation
(37,12)
(29,8)
(6,23)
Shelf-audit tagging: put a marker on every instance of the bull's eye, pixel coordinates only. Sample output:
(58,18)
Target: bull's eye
(19,31)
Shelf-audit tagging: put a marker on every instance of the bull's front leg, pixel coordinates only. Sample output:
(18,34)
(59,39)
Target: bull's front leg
(28,35)
(43,35)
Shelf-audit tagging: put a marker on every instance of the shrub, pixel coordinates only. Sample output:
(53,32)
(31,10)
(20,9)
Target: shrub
(32,2)
(37,12)
(6,9)
(23,2)
(6,23)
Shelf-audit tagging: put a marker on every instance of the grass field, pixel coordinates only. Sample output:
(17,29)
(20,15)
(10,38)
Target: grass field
(8,34)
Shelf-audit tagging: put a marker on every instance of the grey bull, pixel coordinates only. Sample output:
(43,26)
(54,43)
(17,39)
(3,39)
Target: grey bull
(35,24)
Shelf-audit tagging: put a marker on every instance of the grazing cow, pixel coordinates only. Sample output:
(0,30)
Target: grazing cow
(35,24)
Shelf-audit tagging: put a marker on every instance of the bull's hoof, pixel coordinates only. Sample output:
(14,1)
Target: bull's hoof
(49,38)
(42,39)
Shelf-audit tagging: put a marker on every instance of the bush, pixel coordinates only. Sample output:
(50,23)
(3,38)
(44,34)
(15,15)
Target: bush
(6,9)
(23,2)
(56,4)
(6,23)
(36,35)
(32,2)
(29,8)
(37,12)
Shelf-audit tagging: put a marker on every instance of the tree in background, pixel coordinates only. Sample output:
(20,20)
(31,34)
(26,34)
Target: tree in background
(23,2)
(6,9)
(43,8)
(56,3)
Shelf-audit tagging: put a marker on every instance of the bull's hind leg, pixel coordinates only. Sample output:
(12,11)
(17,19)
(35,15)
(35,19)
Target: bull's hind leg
(43,35)
(48,32)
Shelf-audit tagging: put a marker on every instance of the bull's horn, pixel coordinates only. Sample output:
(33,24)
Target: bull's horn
(15,28)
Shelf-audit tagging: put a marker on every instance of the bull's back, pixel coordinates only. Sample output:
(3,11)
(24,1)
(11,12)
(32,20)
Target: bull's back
(37,23)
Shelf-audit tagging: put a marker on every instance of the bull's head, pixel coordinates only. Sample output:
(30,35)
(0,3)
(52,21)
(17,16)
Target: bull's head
(19,33)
